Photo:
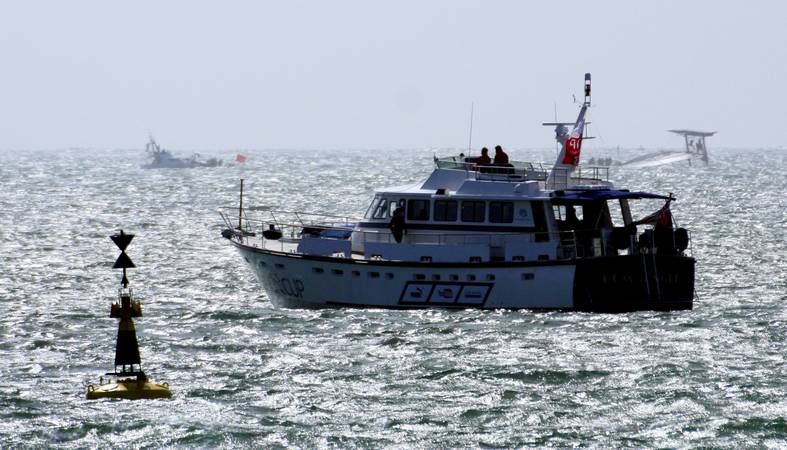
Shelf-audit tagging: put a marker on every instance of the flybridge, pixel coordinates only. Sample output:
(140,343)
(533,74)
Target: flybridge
(520,171)
(566,173)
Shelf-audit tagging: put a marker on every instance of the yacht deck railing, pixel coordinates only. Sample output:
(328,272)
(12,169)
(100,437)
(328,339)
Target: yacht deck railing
(569,244)
(518,171)
(252,234)
(292,222)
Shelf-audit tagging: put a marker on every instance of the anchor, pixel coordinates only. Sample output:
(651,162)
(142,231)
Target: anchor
(131,382)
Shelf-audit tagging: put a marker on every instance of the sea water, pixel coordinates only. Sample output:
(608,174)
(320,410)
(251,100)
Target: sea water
(245,373)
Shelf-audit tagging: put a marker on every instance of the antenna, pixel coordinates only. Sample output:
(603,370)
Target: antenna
(470,139)
(587,89)
(240,207)
(557,146)
(586,102)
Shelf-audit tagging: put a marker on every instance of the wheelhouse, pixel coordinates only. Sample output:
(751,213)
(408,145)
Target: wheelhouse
(561,224)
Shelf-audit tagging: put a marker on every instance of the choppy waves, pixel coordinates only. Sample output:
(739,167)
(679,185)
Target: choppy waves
(245,373)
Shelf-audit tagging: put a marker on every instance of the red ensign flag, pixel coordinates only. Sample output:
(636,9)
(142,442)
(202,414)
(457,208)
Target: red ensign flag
(573,146)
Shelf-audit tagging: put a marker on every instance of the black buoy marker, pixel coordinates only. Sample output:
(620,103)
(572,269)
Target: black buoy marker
(127,348)
(132,383)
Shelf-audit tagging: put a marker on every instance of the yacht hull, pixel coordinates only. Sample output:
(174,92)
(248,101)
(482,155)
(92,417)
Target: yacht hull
(606,284)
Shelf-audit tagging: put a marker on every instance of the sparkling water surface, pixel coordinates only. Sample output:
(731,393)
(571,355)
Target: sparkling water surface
(245,373)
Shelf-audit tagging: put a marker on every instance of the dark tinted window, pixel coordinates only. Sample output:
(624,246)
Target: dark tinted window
(540,221)
(445,210)
(418,210)
(501,212)
(473,211)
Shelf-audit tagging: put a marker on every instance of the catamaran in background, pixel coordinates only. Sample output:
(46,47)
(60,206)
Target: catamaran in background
(517,235)
(695,148)
(164,159)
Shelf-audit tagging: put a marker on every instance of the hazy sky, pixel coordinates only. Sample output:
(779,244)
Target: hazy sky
(373,74)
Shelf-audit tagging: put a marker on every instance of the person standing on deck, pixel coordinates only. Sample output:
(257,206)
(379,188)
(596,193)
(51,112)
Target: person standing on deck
(397,225)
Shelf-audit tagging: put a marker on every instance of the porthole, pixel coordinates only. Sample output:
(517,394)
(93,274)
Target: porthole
(528,276)
(317,270)
(490,277)
(419,276)
(470,277)
(279,266)
(337,272)
(389,275)
(356,273)
(374,274)
(436,277)
(453,277)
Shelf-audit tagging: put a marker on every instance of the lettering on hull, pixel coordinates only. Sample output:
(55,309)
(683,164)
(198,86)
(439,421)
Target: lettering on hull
(445,293)
(286,287)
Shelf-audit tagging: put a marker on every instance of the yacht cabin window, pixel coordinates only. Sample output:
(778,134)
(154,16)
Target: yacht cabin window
(418,209)
(473,211)
(568,212)
(569,217)
(392,205)
(559,211)
(539,221)
(381,210)
(616,212)
(501,212)
(445,210)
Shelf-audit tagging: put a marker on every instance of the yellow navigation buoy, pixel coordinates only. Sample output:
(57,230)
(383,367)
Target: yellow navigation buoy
(130,389)
(131,382)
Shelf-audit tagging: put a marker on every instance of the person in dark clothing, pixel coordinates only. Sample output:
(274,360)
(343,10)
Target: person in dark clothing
(397,225)
(484,159)
(500,156)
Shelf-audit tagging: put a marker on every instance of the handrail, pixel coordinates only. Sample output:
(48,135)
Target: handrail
(529,171)
(265,208)
(568,244)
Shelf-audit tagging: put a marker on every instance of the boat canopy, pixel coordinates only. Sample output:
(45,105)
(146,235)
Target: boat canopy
(594,195)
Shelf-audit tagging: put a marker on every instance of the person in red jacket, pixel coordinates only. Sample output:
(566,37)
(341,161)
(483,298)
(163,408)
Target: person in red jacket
(484,159)
(500,156)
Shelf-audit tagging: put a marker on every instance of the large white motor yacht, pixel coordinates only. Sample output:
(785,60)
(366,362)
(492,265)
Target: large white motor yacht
(516,235)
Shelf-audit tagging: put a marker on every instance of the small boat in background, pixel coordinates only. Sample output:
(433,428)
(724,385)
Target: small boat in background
(164,159)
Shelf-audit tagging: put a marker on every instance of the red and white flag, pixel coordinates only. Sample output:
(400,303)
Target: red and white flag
(574,143)
(240,159)
(662,217)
